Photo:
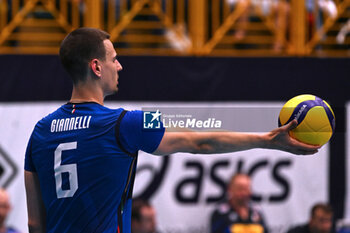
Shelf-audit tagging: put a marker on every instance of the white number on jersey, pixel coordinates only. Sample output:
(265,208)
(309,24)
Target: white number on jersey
(71,169)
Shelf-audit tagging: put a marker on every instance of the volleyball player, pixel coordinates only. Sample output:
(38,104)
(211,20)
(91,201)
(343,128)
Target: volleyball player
(81,159)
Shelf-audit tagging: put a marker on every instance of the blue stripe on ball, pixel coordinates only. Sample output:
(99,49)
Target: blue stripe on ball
(329,113)
(301,110)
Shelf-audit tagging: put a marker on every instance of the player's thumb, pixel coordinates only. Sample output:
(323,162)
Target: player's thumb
(291,125)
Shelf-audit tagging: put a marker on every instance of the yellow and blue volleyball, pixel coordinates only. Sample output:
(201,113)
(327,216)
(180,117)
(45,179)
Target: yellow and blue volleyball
(316,119)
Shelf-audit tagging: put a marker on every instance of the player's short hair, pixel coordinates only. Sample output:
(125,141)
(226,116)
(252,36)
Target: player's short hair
(79,48)
(321,206)
(137,205)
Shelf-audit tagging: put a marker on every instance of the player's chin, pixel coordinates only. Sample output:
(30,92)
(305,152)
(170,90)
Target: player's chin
(114,91)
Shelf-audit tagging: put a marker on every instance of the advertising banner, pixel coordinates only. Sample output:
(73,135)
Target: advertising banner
(185,188)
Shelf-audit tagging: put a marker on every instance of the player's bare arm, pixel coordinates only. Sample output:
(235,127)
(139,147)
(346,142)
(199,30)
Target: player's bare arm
(224,142)
(35,205)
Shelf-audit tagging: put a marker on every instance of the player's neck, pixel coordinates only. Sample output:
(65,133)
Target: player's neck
(87,93)
(242,210)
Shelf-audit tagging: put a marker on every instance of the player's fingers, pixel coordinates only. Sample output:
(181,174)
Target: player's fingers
(299,151)
(291,125)
(308,152)
(305,147)
(311,152)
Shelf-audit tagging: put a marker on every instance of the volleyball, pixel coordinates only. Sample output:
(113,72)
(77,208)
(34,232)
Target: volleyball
(316,119)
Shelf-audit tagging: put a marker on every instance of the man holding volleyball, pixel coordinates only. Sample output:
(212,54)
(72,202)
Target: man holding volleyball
(80,161)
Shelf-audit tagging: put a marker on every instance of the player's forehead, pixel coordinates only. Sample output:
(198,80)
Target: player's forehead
(110,51)
(320,213)
(241,178)
(240,181)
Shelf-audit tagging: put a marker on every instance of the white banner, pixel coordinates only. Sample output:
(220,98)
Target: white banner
(184,188)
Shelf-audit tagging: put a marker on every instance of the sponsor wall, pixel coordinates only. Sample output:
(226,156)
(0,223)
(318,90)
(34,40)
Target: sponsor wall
(184,188)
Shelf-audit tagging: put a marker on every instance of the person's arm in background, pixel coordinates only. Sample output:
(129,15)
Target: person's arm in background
(35,204)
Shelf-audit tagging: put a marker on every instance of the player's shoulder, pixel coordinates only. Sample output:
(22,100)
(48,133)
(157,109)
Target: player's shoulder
(129,113)
(132,119)
(256,210)
(222,208)
(133,114)
(224,211)
(256,213)
(48,117)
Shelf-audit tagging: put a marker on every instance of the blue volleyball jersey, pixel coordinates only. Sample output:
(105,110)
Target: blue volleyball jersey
(85,157)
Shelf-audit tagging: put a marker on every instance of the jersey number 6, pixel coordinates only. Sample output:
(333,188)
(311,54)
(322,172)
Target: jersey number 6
(71,169)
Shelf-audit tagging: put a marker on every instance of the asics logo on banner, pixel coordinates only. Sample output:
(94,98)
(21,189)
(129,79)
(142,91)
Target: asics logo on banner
(151,120)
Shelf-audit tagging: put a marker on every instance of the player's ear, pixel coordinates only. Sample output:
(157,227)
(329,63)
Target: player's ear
(95,66)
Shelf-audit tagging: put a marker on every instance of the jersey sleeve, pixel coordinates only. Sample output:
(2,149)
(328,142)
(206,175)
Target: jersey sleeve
(134,137)
(28,163)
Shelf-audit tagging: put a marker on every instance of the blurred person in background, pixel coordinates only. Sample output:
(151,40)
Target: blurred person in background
(317,12)
(278,9)
(143,217)
(237,213)
(344,30)
(5,208)
(321,220)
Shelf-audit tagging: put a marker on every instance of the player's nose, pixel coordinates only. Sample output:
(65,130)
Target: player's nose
(119,66)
